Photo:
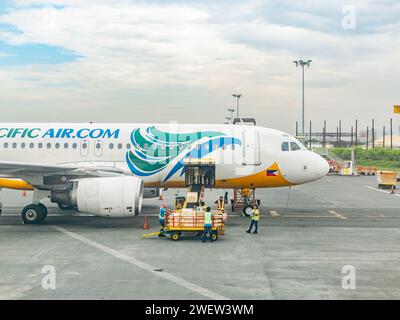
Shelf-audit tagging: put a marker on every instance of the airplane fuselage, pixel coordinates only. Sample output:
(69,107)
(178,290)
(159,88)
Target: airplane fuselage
(244,156)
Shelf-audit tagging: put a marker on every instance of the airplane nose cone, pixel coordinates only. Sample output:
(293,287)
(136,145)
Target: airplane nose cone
(322,166)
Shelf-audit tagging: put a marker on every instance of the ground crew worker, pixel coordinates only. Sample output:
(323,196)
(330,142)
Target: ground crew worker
(179,205)
(161,218)
(255,217)
(208,216)
(220,203)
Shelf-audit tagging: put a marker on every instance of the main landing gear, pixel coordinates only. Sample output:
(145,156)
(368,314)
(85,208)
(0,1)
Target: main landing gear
(34,213)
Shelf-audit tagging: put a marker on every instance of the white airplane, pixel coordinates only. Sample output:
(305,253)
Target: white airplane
(107,169)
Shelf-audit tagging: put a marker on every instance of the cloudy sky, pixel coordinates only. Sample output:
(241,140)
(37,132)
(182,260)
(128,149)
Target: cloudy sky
(155,61)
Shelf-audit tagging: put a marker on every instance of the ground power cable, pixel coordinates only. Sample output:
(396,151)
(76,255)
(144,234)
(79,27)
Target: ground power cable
(287,201)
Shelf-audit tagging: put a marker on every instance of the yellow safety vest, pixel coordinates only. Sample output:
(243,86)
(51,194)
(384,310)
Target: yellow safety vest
(207,218)
(256,215)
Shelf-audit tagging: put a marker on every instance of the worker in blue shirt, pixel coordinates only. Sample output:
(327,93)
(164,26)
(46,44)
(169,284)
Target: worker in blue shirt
(208,216)
(161,218)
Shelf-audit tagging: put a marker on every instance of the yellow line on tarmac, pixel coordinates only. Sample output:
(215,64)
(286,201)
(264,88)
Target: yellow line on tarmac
(337,215)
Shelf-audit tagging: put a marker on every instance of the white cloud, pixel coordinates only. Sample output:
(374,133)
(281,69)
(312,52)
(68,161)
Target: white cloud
(207,51)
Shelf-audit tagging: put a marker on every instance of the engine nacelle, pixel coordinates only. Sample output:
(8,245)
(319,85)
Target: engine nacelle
(110,197)
(115,197)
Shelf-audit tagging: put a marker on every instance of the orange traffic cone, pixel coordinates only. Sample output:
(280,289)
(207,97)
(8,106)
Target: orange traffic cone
(24,193)
(146,224)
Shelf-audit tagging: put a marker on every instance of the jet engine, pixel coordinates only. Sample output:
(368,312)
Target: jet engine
(115,197)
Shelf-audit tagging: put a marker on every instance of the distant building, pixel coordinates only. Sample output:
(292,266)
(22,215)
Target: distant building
(396,141)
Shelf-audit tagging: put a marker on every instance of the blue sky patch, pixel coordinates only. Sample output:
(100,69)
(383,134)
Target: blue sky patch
(28,54)
(9,28)
(4,5)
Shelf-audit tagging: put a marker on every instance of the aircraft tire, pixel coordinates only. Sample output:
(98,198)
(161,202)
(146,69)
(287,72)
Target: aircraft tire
(33,213)
(44,208)
(247,210)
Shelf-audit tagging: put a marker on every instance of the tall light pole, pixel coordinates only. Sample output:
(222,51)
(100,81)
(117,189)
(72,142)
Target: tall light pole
(302,64)
(231,112)
(237,96)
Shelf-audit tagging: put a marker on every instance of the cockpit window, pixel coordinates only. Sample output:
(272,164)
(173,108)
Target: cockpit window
(294,146)
(285,146)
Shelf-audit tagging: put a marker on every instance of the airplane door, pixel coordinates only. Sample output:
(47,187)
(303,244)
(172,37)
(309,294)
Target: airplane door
(98,148)
(84,148)
(251,148)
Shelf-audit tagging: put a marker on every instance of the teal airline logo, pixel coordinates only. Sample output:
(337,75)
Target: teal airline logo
(154,150)
(59,133)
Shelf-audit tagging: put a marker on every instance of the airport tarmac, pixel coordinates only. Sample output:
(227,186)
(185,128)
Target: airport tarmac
(299,253)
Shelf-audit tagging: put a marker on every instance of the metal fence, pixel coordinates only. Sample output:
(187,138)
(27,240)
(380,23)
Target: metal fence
(370,136)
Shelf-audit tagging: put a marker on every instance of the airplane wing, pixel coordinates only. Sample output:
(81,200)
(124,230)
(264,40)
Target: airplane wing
(35,174)
(21,168)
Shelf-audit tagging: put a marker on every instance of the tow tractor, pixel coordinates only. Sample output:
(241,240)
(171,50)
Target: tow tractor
(185,218)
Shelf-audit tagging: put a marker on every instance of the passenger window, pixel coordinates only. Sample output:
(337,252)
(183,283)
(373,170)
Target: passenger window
(40,145)
(57,145)
(23,145)
(119,145)
(98,145)
(84,145)
(128,145)
(65,145)
(31,145)
(74,146)
(14,145)
(6,145)
(111,146)
(285,146)
(294,146)
(48,145)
